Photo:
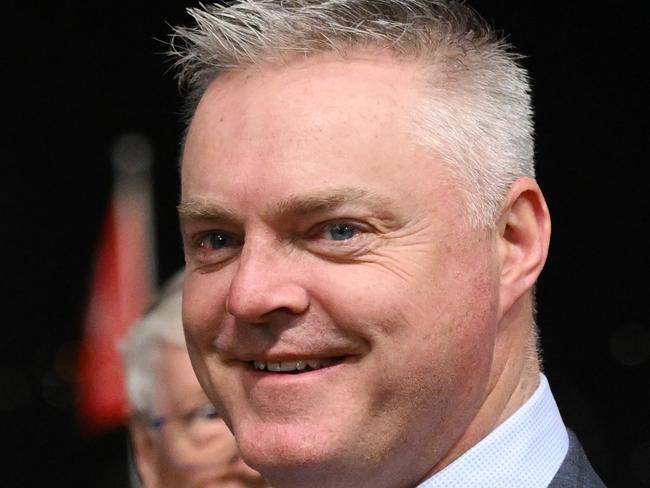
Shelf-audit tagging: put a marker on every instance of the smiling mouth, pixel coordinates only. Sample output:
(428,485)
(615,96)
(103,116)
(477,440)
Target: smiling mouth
(295,366)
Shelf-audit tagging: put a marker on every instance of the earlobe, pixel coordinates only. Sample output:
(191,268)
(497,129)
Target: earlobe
(524,231)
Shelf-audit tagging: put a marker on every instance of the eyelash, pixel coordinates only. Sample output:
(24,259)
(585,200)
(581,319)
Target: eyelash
(220,234)
(201,250)
(228,242)
(321,229)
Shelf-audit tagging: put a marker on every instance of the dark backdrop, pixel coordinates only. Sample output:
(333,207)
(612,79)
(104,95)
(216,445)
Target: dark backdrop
(79,74)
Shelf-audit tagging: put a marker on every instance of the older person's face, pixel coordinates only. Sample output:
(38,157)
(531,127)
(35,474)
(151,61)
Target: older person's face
(338,310)
(190,448)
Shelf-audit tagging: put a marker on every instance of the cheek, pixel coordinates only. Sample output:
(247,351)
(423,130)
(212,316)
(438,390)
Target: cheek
(434,324)
(440,298)
(204,306)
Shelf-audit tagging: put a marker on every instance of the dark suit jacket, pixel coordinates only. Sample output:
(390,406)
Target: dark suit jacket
(576,471)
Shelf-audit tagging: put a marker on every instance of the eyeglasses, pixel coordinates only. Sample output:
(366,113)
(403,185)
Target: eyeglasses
(196,422)
(194,437)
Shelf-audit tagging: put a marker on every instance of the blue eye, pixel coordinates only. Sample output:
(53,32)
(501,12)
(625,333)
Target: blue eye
(341,231)
(217,240)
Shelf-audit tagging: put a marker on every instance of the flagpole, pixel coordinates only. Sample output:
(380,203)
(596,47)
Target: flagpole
(123,284)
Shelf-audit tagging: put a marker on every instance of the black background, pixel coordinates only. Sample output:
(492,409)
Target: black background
(79,74)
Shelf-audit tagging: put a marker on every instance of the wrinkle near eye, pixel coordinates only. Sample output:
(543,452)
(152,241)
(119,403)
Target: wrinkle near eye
(391,250)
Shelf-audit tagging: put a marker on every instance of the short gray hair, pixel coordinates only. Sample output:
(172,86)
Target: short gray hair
(476,111)
(140,348)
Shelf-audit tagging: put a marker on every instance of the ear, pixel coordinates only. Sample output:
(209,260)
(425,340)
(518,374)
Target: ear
(145,454)
(523,235)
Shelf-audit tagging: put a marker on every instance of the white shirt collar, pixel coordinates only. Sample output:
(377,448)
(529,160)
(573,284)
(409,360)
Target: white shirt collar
(527,449)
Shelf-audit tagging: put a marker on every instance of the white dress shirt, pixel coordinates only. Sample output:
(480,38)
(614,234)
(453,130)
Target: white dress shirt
(526,450)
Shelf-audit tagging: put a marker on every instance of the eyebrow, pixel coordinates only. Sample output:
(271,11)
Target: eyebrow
(203,209)
(298,204)
(326,200)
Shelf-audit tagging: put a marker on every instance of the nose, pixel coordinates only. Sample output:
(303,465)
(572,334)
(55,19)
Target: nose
(266,282)
(243,469)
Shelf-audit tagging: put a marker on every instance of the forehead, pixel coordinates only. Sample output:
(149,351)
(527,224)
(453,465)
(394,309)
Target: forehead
(325,81)
(319,124)
(317,99)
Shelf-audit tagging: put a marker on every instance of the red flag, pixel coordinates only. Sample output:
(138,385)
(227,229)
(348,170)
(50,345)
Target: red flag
(121,290)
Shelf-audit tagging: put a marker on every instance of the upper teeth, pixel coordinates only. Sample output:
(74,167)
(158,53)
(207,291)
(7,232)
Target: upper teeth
(292,365)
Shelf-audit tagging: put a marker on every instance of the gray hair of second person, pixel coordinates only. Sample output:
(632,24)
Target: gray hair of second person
(475,110)
(141,347)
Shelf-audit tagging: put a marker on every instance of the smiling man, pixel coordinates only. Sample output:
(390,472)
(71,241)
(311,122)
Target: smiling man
(178,439)
(363,232)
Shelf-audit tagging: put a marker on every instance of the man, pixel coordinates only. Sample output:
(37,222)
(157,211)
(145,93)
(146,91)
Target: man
(363,232)
(178,439)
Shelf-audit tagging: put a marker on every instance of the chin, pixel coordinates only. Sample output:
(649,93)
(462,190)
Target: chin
(288,456)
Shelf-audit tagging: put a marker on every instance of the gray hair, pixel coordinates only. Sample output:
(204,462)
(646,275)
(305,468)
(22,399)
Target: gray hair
(140,348)
(476,110)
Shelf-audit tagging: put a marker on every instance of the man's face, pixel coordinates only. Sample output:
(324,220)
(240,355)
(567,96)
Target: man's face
(190,448)
(318,233)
